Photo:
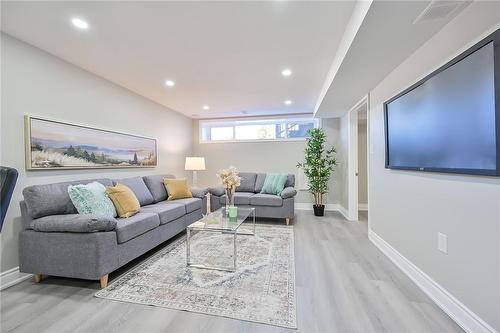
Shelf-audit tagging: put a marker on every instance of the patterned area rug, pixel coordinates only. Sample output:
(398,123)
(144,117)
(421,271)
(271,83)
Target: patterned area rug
(262,289)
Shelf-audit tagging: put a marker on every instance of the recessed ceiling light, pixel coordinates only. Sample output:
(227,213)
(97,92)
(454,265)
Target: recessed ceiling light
(288,102)
(206,107)
(79,23)
(286,72)
(169,83)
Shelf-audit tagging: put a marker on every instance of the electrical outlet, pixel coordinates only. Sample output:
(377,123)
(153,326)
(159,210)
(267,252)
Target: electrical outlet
(442,243)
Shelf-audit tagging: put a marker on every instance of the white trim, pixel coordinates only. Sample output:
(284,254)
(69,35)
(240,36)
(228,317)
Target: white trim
(328,207)
(344,212)
(232,122)
(352,156)
(309,206)
(259,117)
(457,311)
(368,154)
(252,141)
(12,277)
(355,21)
(352,163)
(363,206)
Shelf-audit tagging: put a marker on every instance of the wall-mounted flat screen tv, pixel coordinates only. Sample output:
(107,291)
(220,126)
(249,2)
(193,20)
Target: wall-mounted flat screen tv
(450,120)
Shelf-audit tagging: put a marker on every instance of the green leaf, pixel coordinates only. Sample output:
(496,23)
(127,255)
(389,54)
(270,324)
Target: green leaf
(319,163)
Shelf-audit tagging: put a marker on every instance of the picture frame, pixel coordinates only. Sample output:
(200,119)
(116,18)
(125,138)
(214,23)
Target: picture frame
(57,145)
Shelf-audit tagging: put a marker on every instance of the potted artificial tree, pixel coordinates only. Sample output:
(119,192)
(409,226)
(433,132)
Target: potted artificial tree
(319,163)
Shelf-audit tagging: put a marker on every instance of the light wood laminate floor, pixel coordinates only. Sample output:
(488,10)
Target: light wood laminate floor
(344,284)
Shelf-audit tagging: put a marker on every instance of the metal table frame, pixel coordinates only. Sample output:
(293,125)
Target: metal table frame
(220,230)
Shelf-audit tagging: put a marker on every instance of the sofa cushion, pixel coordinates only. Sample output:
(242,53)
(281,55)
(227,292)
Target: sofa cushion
(177,188)
(91,199)
(167,213)
(275,183)
(53,199)
(156,186)
(240,198)
(259,182)
(73,223)
(288,192)
(137,185)
(261,178)
(136,225)
(191,204)
(247,183)
(124,199)
(261,199)
(290,182)
(198,192)
(217,191)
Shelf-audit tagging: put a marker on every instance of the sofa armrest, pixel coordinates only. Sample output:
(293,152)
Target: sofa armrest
(217,191)
(199,192)
(73,223)
(288,192)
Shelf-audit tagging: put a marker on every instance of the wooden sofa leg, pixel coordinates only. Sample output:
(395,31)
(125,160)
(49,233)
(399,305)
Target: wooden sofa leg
(287,221)
(104,281)
(38,277)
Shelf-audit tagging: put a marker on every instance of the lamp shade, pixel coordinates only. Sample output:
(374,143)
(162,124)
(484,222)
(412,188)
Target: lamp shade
(195,163)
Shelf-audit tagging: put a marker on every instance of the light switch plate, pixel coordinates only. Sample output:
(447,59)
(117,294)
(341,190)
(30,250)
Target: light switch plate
(442,243)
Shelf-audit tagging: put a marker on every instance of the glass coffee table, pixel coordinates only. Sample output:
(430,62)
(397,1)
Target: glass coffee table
(219,221)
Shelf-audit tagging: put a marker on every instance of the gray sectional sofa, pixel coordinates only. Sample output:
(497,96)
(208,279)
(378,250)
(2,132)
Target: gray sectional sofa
(248,195)
(58,241)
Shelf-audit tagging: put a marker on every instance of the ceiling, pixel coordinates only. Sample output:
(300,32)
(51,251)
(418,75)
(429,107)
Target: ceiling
(385,36)
(227,55)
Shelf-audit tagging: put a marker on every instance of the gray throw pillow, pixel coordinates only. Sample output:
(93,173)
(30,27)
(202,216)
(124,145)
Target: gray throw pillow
(141,191)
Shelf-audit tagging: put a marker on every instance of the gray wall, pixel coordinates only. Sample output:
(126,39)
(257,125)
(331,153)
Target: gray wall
(279,156)
(362,163)
(37,83)
(408,209)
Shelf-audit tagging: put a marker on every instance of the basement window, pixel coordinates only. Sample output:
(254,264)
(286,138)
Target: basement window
(256,129)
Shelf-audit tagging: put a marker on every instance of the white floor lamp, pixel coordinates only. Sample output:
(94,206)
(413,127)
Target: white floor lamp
(195,164)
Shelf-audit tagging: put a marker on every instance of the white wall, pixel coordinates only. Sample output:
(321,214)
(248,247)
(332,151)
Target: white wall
(37,83)
(409,208)
(362,163)
(279,156)
(343,167)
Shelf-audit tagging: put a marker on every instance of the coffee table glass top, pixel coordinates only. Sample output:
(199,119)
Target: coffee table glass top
(219,220)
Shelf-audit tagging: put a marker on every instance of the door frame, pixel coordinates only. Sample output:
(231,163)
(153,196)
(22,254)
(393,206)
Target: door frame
(352,163)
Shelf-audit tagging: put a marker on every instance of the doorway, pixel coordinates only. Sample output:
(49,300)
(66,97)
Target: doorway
(358,160)
(362,164)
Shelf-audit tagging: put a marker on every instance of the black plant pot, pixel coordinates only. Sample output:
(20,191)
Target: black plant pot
(319,210)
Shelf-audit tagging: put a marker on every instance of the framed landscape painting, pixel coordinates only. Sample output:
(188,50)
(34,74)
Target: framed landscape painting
(56,145)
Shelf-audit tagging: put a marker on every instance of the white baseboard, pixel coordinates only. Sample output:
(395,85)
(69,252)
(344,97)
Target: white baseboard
(457,311)
(309,206)
(363,206)
(12,277)
(328,207)
(344,212)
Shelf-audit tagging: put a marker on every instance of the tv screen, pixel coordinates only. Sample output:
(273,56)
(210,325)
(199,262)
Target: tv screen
(448,122)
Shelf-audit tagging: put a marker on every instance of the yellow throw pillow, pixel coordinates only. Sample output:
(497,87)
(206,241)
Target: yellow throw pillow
(177,188)
(124,199)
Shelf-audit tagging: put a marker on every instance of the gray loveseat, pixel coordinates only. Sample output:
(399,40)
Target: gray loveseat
(58,241)
(248,195)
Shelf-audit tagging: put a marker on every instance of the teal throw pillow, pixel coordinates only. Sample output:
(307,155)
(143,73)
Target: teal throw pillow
(91,199)
(274,183)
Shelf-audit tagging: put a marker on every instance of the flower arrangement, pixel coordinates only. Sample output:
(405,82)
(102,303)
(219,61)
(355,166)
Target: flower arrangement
(230,180)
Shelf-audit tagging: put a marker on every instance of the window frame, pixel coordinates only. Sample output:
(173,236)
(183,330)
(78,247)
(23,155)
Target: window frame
(233,122)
